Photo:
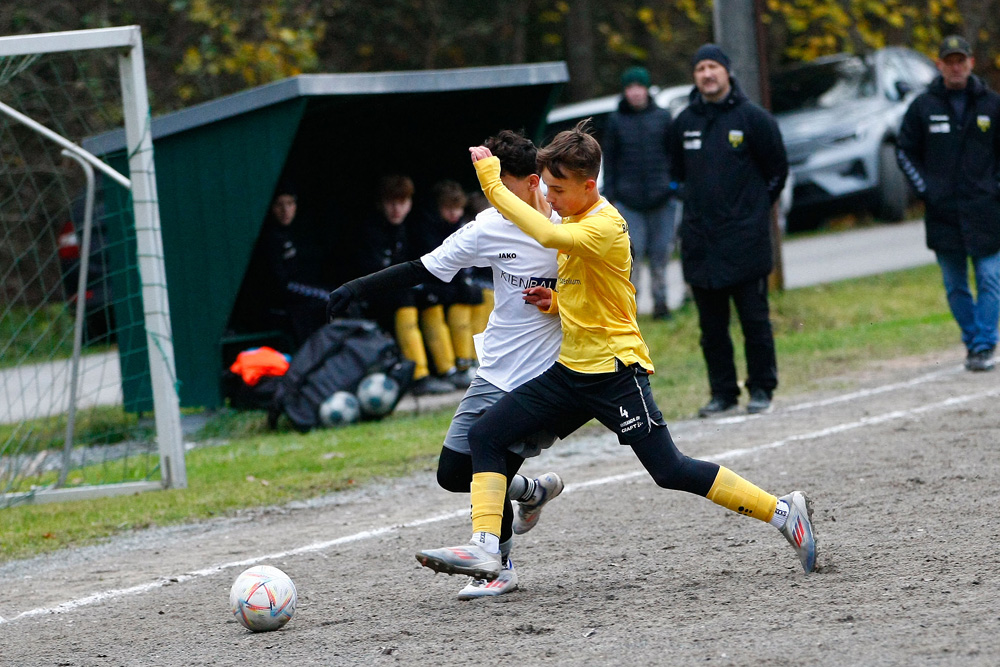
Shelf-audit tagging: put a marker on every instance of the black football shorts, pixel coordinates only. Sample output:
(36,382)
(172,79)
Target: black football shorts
(566,400)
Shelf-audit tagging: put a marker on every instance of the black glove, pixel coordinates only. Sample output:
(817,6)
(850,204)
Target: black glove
(338,301)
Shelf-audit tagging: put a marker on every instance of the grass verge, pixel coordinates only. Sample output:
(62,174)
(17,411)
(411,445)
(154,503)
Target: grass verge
(820,332)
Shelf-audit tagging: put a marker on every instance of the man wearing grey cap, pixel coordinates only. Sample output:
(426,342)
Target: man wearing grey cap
(949,147)
(728,153)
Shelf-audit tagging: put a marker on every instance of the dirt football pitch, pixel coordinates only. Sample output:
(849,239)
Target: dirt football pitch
(900,461)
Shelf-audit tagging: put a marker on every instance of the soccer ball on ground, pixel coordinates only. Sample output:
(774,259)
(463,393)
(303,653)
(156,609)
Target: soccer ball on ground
(262,598)
(377,394)
(341,408)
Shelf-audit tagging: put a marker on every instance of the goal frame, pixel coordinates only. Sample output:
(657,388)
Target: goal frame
(146,216)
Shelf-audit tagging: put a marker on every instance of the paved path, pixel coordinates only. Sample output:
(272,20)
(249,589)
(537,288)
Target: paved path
(36,391)
(42,390)
(826,258)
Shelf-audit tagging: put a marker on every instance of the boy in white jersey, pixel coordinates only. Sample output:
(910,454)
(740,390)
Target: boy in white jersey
(520,341)
(603,365)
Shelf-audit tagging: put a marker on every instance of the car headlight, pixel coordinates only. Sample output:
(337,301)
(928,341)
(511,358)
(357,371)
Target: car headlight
(858,133)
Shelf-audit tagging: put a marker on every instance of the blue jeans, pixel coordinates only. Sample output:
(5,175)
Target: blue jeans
(977,318)
(652,234)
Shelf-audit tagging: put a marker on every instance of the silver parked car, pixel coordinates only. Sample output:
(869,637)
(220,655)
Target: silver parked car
(674,99)
(839,117)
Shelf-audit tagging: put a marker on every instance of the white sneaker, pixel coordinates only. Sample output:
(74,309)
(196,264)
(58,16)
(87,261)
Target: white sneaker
(527,514)
(480,588)
(470,559)
(798,529)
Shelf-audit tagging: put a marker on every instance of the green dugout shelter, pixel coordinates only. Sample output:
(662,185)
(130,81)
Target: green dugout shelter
(334,135)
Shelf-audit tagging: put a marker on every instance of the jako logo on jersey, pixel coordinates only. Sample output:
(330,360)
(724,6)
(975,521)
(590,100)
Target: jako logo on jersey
(735,138)
(550,283)
(507,255)
(983,122)
(623,411)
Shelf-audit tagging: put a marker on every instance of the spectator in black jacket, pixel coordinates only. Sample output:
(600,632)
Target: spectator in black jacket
(948,148)
(285,282)
(729,155)
(637,178)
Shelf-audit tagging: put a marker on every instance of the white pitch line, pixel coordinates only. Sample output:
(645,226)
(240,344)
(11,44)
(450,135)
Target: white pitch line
(843,398)
(368,534)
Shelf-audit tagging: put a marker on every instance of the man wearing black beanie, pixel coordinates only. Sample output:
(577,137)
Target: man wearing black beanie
(729,154)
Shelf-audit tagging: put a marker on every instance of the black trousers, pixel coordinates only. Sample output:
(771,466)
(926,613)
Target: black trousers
(750,299)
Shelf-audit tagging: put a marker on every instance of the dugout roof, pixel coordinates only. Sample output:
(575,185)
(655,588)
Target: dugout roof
(333,135)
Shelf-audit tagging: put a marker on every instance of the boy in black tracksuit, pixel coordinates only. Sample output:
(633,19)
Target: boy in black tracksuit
(386,242)
(949,149)
(285,286)
(729,154)
(455,300)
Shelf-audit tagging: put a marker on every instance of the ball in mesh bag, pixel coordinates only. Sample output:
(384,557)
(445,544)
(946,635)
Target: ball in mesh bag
(377,394)
(341,408)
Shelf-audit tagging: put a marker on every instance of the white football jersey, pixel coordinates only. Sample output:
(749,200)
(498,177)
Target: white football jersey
(520,341)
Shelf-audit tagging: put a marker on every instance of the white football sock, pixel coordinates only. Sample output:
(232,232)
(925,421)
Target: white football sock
(521,488)
(487,541)
(780,515)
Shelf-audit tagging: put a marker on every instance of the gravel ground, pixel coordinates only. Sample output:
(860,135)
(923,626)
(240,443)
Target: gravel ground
(899,461)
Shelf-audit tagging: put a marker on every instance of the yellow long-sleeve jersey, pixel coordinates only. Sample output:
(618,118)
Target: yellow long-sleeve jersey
(596,298)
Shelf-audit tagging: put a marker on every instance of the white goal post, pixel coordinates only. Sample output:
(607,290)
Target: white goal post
(142,182)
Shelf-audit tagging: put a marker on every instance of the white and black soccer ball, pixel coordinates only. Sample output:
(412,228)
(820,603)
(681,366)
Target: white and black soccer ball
(263,598)
(341,408)
(377,394)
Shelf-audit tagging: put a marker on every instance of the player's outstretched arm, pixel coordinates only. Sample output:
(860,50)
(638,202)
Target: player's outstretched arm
(531,222)
(397,276)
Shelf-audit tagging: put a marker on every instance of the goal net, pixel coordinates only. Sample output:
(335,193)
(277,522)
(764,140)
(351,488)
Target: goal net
(81,269)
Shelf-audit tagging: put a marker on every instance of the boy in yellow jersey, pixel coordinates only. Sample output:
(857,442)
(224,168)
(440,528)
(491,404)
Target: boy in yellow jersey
(602,369)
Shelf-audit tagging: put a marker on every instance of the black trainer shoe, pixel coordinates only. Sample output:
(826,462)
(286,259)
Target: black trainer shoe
(980,361)
(431,385)
(760,402)
(661,312)
(717,406)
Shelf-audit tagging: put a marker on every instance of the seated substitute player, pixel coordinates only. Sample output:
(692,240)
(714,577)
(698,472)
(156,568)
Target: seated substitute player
(385,242)
(602,370)
(520,341)
(459,297)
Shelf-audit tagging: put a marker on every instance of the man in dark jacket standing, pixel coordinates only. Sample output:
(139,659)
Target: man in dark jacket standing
(637,178)
(728,153)
(948,148)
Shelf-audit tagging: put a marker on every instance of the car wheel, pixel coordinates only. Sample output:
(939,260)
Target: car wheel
(892,194)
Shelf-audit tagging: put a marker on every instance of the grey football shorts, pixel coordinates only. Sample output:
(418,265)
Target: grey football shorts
(479,397)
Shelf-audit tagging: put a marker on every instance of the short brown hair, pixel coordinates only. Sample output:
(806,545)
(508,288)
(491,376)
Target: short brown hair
(395,187)
(450,194)
(516,152)
(574,151)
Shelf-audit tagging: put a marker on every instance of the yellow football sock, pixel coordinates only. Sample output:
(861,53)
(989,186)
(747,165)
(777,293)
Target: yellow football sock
(460,324)
(481,312)
(735,493)
(437,338)
(489,489)
(410,342)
